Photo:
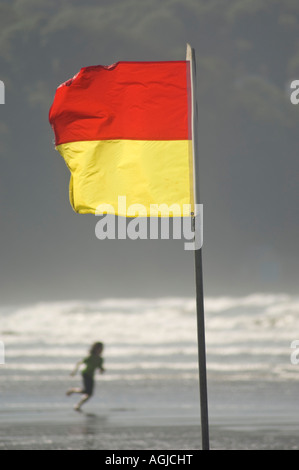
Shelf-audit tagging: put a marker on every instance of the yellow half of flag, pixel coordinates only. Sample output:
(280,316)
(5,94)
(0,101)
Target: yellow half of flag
(124,130)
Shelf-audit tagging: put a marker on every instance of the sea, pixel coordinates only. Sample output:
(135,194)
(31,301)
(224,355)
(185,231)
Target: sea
(151,372)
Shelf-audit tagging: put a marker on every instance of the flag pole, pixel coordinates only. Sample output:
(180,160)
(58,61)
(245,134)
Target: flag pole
(198,266)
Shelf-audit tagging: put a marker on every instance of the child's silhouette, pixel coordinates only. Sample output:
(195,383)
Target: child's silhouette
(92,362)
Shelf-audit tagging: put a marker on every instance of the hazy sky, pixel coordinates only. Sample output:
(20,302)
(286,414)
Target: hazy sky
(247,53)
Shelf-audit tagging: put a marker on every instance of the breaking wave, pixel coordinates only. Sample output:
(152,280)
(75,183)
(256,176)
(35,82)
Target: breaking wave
(247,337)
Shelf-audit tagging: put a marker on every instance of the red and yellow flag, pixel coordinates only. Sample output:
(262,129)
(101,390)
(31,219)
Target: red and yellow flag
(125,130)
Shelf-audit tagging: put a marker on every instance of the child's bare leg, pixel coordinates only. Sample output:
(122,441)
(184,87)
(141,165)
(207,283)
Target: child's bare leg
(74,390)
(82,401)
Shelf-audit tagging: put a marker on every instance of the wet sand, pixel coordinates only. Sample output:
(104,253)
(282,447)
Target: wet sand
(131,429)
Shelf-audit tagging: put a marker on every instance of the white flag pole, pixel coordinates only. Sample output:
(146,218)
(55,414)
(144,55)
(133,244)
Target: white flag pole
(198,264)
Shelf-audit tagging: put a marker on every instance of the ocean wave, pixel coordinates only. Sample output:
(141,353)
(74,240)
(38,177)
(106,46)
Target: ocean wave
(248,335)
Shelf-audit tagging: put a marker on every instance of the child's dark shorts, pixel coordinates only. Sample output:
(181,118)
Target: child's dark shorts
(88,384)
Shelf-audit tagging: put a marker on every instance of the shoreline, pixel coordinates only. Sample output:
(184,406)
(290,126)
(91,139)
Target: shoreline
(129,429)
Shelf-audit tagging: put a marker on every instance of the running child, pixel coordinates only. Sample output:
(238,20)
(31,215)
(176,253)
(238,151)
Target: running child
(92,362)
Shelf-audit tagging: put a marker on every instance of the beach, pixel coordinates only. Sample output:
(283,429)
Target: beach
(248,417)
(148,398)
